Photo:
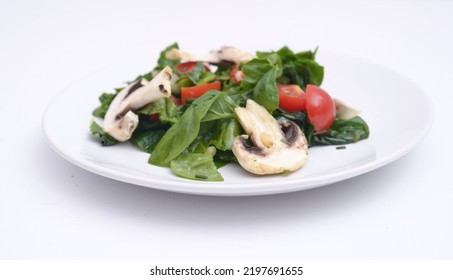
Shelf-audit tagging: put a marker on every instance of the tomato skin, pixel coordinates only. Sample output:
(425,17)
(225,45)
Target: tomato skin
(154,118)
(187,67)
(197,91)
(320,108)
(236,75)
(175,100)
(291,98)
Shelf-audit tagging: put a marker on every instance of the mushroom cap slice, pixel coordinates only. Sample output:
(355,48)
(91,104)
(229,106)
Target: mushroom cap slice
(120,121)
(176,54)
(225,53)
(234,55)
(277,147)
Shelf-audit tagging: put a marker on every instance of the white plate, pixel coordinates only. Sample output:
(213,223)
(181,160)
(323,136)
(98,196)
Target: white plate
(398,113)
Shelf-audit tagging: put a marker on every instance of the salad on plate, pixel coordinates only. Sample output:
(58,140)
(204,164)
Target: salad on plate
(196,113)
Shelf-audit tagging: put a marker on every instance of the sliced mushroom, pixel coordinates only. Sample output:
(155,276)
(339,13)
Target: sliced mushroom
(344,111)
(278,147)
(234,55)
(229,54)
(120,120)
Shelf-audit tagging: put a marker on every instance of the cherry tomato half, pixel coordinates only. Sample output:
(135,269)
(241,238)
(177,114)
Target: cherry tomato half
(291,98)
(320,108)
(187,67)
(197,91)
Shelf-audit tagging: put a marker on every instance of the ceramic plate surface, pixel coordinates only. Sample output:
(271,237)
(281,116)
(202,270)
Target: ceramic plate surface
(398,113)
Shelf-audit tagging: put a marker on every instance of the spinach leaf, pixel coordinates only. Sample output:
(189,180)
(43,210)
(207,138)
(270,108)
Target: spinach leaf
(105,99)
(223,72)
(184,131)
(103,137)
(162,62)
(195,74)
(222,108)
(273,58)
(204,138)
(240,95)
(147,140)
(218,133)
(227,130)
(286,54)
(302,72)
(145,124)
(266,93)
(254,71)
(167,110)
(295,68)
(206,77)
(341,132)
(299,117)
(195,166)
(259,83)
(307,54)
(222,158)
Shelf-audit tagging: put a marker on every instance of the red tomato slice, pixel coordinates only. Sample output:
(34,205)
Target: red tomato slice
(291,98)
(320,108)
(236,75)
(187,67)
(197,91)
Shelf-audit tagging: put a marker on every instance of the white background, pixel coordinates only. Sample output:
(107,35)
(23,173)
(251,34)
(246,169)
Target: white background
(51,209)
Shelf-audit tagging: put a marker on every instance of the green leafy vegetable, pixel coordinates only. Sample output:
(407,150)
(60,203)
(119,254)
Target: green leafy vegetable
(222,158)
(195,74)
(273,58)
(240,96)
(165,107)
(227,130)
(104,138)
(206,77)
(266,93)
(147,141)
(185,83)
(254,71)
(296,68)
(162,62)
(105,99)
(222,108)
(218,134)
(341,132)
(259,83)
(196,167)
(204,138)
(184,131)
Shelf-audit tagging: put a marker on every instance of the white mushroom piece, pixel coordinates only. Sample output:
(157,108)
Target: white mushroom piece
(120,121)
(278,147)
(344,111)
(229,54)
